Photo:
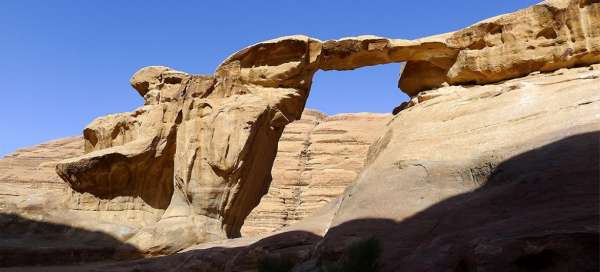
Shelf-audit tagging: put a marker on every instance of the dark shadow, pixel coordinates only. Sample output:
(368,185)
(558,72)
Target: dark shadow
(291,247)
(537,211)
(25,242)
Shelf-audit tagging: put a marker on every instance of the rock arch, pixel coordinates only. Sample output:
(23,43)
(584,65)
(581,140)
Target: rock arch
(196,158)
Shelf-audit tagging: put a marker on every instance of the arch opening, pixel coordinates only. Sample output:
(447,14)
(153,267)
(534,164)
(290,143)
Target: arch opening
(367,89)
(323,153)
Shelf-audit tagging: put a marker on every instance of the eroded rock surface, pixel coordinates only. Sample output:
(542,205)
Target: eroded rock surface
(37,226)
(500,177)
(545,37)
(192,163)
(318,157)
(188,166)
(28,176)
(33,190)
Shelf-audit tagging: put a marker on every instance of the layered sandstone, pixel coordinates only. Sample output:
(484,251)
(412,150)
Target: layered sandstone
(28,177)
(37,226)
(545,37)
(186,166)
(500,177)
(317,158)
(33,190)
(191,164)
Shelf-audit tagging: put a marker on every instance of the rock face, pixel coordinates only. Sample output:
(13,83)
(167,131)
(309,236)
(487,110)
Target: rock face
(548,36)
(37,228)
(500,177)
(191,164)
(33,190)
(318,157)
(28,177)
(188,166)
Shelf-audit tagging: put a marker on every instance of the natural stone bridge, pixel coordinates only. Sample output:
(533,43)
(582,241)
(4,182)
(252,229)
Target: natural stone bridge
(191,164)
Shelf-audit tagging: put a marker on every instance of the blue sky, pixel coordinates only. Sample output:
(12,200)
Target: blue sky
(64,63)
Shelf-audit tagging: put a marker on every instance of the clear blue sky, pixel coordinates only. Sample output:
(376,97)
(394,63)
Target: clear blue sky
(63,63)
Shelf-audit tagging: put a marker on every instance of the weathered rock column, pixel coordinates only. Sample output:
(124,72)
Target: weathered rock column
(208,141)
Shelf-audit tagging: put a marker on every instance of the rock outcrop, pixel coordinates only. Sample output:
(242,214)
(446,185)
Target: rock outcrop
(37,228)
(318,157)
(34,191)
(500,177)
(189,165)
(545,37)
(28,176)
(497,177)
(193,162)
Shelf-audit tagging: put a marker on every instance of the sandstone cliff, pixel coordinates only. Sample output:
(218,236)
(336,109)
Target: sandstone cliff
(500,177)
(28,177)
(466,177)
(191,164)
(317,158)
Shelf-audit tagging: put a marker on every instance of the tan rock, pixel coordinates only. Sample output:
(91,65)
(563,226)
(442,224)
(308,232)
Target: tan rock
(490,174)
(545,37)
(198,154)
(491,177)
(28,177)
(317,158)
(37,226)
(133,166)
(190,165)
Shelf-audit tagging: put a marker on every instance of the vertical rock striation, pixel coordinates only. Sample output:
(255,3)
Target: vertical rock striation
(317,158)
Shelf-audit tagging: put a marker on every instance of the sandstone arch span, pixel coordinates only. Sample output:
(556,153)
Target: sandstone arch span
(190,164)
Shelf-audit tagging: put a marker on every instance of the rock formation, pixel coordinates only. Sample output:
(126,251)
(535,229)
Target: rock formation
(505,181)
(310,169)
(28,177)
(34,191)
(193,162)
(318,157)
(37,228)
(498,177)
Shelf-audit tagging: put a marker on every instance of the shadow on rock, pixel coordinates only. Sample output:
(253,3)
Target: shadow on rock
(26,242)
(288,248)
(537,211)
